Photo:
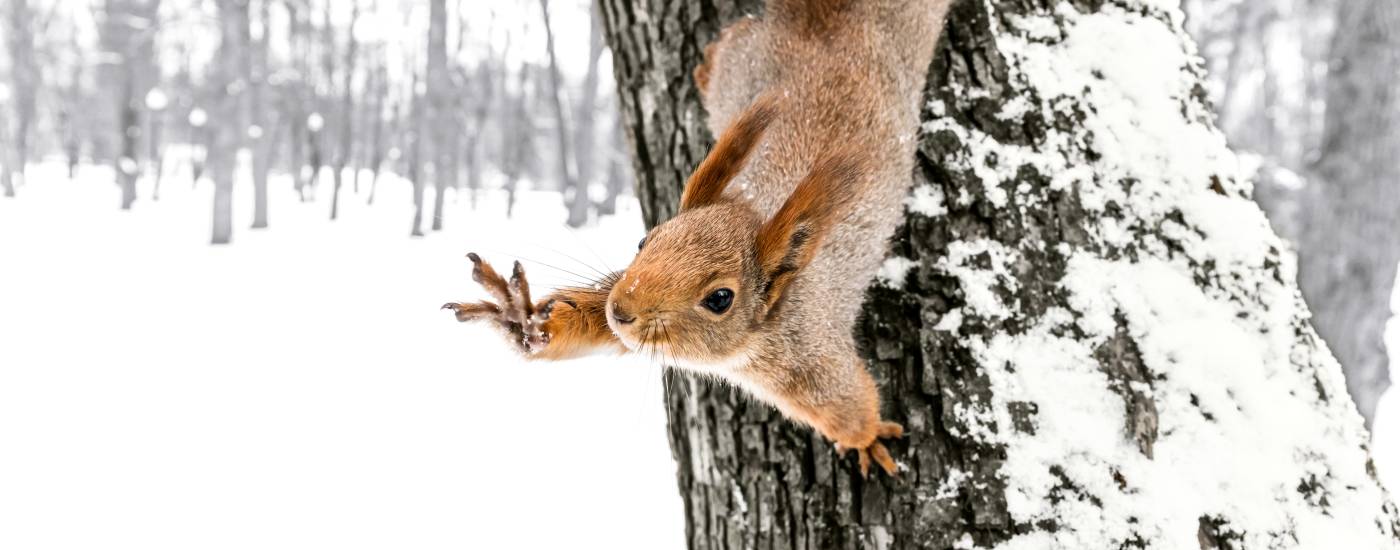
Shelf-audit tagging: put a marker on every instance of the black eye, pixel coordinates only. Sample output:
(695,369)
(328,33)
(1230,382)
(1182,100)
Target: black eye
(641,243)
(719,300)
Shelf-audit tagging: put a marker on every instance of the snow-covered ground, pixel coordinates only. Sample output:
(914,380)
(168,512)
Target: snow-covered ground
(300,388)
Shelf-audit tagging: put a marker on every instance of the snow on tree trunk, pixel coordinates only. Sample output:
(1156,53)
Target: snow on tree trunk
(1348,257)
(1088,328)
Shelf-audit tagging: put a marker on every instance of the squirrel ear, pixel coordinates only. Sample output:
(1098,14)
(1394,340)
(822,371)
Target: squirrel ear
(789,240)
(727,158)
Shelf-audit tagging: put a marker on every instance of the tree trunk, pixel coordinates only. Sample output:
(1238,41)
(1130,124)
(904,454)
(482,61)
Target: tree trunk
(347,113)
(127,133)
(618,177)
(1348,258)
(568,175)
(584,136)
(129,74)
(438,97)
(25,81)
(227,119)
(155,150)
(266,118)
(415,157)
(1088,329)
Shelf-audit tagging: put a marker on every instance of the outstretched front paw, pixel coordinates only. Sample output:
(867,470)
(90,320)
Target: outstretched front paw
(521,320)
(876,450)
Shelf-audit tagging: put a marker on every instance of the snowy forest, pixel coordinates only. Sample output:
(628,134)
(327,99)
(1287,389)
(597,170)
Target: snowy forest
(335,96)
(226,226)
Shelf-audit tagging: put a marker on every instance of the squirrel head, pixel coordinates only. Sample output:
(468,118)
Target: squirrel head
(717,273)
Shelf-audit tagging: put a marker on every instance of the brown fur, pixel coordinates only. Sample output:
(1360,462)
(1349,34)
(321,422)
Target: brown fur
(817,108)
(808,17)
(727,158)
(788,241)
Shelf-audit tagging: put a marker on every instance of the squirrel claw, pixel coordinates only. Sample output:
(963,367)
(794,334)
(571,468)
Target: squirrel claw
(513,312)
(876,450)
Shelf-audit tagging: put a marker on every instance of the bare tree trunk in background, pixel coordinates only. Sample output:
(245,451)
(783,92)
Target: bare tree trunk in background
(1347,264)
(401,115)
(376,159)
(1015,348)
(375,153)
(438,98)
(584,137)
(372,117)
(297,101)
(619,175)
(315,148)
(486,101)
(347,109)
(1267,65)
(568,178)
(415,155)
(472,153)
(264,144)
(226,118)
(155,148)
(128,127)
(73,98)
(24,89)
(128,37)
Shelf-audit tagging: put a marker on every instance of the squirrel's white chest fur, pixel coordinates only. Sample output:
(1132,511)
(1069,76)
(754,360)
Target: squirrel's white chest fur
(729,369)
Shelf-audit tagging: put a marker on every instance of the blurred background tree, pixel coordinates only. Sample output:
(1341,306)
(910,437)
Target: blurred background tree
(1308,88)
(247,95)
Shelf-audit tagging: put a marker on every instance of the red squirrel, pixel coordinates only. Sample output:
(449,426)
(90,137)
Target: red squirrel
(759,278)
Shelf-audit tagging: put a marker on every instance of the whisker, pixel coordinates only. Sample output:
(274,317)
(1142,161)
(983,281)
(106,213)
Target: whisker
(579,262)
(590,250)
(600,284)
(580,280)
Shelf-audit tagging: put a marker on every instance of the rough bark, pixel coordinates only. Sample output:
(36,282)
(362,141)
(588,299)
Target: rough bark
(1348,257)
(1018,335)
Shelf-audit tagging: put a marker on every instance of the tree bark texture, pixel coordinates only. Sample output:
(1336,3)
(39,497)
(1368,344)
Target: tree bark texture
(1087,327)
(1348,257)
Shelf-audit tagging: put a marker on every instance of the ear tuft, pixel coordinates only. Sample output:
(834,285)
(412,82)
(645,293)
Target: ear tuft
(789,240)
(729,154)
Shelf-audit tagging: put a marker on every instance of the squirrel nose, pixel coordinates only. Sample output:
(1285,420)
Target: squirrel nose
(621,316)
